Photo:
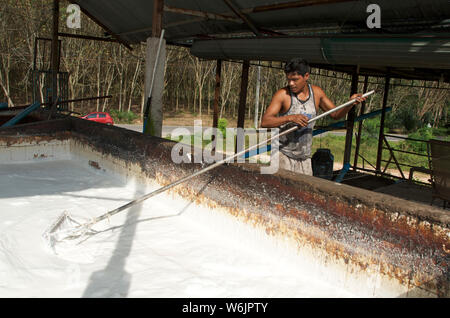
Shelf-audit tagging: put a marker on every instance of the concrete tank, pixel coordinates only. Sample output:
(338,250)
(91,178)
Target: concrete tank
(363,243)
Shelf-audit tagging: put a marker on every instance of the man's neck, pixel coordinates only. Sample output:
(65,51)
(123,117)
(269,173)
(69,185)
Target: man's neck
(304,91)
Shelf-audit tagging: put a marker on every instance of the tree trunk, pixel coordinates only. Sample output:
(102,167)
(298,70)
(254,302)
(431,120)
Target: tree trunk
(209,99)
(98,81)
(109,80)
(6,91)
(200,95)
(133,83)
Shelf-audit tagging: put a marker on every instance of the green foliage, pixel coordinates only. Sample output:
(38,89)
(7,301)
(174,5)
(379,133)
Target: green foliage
(411,121)
(392,122)
(336,144)
(404,120)
(370,131)
(442,132)
(405,116)
(122,117)
(222,126)
(425,133)
(368,150)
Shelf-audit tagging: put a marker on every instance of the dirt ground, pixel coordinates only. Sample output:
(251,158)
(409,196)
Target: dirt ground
(188,120)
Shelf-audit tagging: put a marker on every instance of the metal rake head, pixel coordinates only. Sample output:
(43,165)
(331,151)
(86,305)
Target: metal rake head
(65,228)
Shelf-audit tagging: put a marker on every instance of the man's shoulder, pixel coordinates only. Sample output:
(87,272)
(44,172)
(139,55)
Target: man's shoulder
(284,91)
(318,91)
(283,97)
(316,88)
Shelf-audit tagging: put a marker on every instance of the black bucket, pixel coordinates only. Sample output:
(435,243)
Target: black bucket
(322,163)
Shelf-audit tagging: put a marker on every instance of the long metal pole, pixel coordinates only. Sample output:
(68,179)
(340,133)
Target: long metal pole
(358,138)
(221,162)
(383,115)
(350,120)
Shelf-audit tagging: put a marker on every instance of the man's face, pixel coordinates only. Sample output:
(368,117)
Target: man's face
(296,82)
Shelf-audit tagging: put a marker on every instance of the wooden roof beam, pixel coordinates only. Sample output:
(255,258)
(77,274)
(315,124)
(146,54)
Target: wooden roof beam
(291,5)
(120,40)
(202,14)
(243,17)
(86,37)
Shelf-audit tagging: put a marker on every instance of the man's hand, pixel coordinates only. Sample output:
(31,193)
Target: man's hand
(301,120)
(359,98)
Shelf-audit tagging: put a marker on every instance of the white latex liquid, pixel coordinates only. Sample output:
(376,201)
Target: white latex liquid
(162,251)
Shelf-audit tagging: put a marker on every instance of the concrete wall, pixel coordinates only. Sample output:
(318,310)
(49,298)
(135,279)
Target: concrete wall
(372,244)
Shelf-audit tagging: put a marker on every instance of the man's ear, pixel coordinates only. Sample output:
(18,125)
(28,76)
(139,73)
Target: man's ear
(306,76)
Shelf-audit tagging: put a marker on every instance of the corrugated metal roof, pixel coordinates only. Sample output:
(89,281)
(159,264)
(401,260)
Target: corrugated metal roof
(407,56)
(131,21)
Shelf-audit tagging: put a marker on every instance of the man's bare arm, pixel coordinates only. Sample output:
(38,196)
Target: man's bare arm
(326,104)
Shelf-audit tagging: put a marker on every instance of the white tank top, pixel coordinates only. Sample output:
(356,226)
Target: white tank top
(297,144)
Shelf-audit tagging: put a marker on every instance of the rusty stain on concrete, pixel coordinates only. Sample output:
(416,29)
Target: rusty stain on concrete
(94,164)
(36,156)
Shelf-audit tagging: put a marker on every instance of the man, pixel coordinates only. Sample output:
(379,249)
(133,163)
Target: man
(296,104)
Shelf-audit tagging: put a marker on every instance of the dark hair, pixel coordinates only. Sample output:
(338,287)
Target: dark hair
(297,65)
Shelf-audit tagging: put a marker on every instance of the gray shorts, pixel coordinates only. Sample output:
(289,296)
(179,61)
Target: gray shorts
(295,165)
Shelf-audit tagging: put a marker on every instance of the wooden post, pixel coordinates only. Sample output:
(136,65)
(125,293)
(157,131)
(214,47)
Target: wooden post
(55,58)
(358,137)
(350,120)
(383,115)
(158,7)
(240,142)
(258,86)
(243,94)
(153,115)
